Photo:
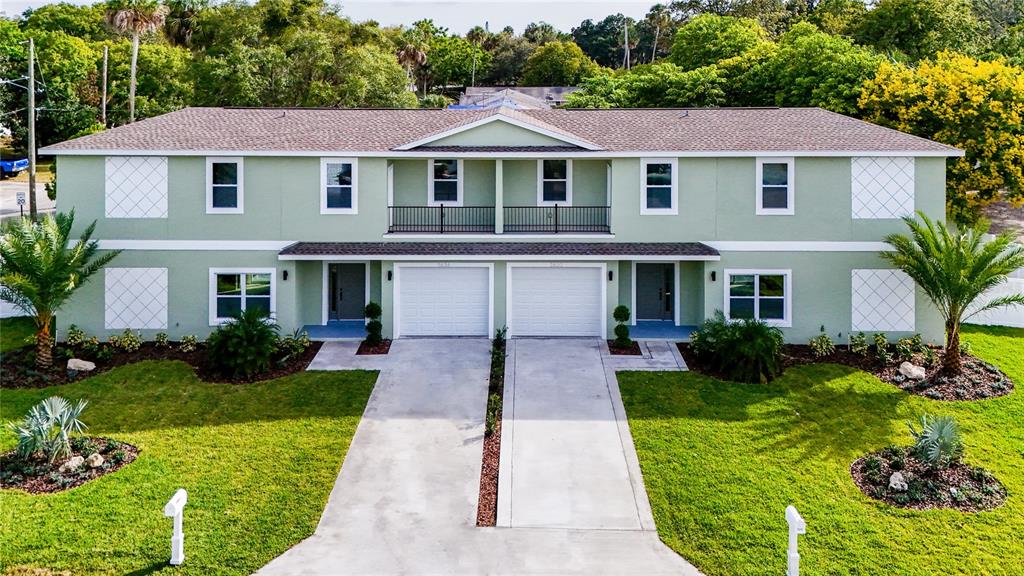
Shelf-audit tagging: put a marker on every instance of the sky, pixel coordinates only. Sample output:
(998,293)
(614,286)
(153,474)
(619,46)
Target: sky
(456,15)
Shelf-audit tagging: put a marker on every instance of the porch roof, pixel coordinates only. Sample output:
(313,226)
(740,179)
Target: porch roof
(513,250)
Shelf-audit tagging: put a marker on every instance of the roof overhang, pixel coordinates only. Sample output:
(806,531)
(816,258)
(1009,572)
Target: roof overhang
(502,251)
(427,153)
(500,117)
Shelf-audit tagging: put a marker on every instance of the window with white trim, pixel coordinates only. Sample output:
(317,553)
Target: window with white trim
(338,186)
(554,182)
(445,182)
(775,186)
(659,184)
(234,290)
(759,294)
(224,186)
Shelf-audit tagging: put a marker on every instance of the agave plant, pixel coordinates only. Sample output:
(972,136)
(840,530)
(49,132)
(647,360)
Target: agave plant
(47,428)
(938,442)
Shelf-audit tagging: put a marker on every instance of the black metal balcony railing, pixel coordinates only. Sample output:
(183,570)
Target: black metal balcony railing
(441,219)
(557,219)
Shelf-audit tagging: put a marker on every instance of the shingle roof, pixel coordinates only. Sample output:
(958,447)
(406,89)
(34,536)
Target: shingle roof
(615,130)
(447,249)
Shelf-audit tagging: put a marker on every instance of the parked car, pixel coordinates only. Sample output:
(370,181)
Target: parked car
(12,167)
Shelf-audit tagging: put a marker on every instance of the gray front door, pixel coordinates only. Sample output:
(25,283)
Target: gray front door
(347,291)
(654,291)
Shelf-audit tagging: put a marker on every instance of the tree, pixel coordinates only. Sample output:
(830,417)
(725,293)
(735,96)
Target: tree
(812,68)
(920,28)
(163,80)
(40,270)
(661,85)
(412,56)
(660,18)
(971,104)
(557,64)
(85,22)
(135,18)
(454,61)
(603,41)
(954,269)
(508,57)
(183,20)
(372,78)
(1010,46)
(538,33)
(709,38)
(837,17)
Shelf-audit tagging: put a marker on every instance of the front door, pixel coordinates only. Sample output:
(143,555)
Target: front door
(654,298)
(347,290)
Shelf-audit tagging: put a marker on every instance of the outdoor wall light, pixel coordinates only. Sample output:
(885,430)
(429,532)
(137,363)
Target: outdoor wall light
(389,275)
(713,274)
(611,275)
(284,275)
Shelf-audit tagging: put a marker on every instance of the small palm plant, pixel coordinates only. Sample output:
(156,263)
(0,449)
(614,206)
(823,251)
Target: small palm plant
(39,270)
(954,269)
(47,428)
(938,442)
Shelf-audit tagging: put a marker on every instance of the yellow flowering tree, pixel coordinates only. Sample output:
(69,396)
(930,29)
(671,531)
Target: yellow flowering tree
(971,104)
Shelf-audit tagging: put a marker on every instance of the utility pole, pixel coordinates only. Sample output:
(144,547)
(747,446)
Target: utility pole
(32,129)
(103,103)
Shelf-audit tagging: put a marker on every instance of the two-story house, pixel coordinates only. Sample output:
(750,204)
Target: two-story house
(459,222)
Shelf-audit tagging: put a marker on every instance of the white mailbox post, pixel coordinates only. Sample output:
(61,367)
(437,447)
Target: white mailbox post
(175,508)
(796,526)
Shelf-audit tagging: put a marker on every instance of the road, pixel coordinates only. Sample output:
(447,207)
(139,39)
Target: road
(9,199)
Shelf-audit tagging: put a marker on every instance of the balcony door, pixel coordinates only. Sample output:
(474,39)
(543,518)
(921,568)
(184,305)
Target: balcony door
(346,291)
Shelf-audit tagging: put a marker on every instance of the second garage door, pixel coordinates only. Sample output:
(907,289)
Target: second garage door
(443,300)
(556,301)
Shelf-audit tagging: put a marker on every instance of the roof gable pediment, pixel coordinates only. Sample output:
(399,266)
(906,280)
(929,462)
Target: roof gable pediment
(503,128)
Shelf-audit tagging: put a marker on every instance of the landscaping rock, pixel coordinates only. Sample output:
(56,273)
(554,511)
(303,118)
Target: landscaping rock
(79,365)
(72,465)
(897,482)
(912,372)
(94,461)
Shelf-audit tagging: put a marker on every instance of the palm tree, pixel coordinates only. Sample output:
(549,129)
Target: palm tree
(659,17)
(412,56)
(39,270)
(135,17)
(182,20)
(954,269)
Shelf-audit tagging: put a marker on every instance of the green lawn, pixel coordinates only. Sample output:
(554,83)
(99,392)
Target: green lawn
(14,331)
(722,460)
(258,461)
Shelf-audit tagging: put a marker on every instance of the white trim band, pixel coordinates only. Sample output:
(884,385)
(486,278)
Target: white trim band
(185,245)
(797,246)
(597,154)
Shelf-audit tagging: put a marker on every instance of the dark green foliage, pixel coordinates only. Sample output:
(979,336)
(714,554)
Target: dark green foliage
(244,346)
(493,410)
(499,337)
(621,315)
(744,350)
(374,328)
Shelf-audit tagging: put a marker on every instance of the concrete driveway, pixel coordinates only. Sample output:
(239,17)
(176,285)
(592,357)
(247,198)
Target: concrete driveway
(405,499)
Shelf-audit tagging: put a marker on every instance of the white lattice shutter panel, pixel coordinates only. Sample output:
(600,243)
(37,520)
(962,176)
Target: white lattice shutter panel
(136,187)
(135,298)
(883,300)
(883,187)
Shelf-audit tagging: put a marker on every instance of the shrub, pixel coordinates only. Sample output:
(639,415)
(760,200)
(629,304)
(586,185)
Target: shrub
(244,346)
(822,346)
(621,315)
(744,350)
(294,344)
(904,348)
(938,442)
(47,428)
(929,357)
(882,348)
(76,336)
(188,343)
(161,340)
(859,344)
(128,341)
(374,328)
(917,343)
(965,347)
(500,336)
(493,409)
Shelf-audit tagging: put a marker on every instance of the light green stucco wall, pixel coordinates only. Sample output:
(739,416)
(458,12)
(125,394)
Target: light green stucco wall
(497,133)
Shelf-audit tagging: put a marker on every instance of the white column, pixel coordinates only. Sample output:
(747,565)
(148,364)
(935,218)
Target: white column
(499,196)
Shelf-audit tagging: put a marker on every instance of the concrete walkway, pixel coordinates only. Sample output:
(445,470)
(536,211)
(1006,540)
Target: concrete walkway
(405,499)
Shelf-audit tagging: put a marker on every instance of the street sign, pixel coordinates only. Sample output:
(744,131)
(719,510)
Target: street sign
(21,198)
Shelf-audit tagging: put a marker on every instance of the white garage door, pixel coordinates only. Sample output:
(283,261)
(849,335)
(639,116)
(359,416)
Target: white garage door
(556,301)
(443,301)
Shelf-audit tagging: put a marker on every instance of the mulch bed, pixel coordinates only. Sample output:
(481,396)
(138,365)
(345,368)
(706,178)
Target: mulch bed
(19,370)
(41,477)
(487,503)
(632,350)
(977,381)
(960,486)
(366,349)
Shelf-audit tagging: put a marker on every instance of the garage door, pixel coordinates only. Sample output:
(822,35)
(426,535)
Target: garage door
(555,301)
(443,301)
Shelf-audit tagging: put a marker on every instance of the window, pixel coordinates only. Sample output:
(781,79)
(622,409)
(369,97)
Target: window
(760,294)
(774,186)
(445,182)
(554,182)
(223,185)
(234,290)
(658,186)
(338,186)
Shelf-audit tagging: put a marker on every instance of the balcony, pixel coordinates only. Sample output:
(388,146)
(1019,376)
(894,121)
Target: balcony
(515,220)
